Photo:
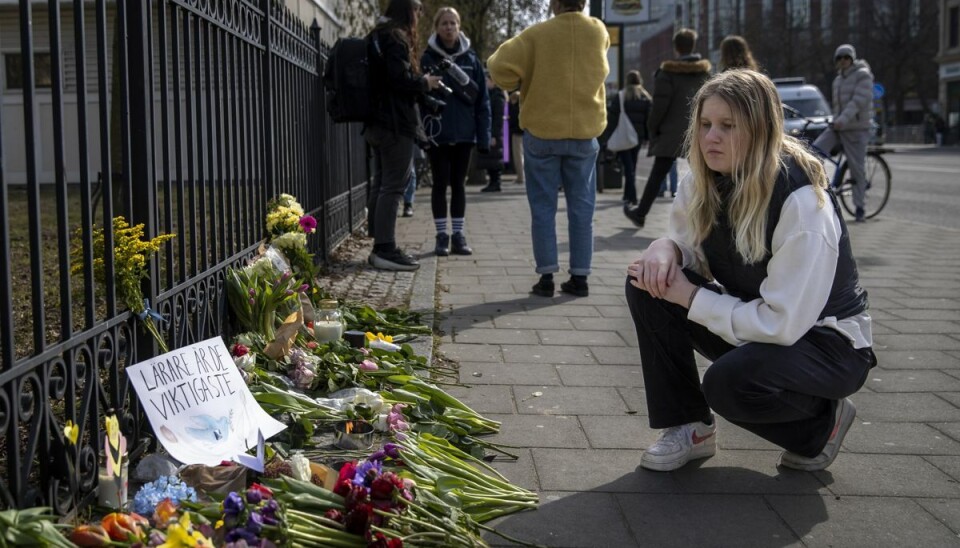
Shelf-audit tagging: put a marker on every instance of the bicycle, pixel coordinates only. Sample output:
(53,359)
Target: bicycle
(875,168)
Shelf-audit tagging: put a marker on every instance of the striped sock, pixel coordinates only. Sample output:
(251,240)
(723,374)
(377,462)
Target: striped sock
(441,225)
(457,225)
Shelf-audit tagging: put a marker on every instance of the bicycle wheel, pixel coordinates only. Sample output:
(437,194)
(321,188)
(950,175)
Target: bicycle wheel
(878,186)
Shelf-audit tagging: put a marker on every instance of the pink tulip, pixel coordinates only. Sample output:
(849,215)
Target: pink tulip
(367,365)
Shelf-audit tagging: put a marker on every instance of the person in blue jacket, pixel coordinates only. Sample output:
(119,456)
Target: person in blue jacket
(464,123)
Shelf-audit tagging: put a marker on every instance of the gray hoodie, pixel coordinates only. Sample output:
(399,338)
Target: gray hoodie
(853,97)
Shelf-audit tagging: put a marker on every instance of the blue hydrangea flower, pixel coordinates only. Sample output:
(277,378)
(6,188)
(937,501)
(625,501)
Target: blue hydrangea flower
(164,487)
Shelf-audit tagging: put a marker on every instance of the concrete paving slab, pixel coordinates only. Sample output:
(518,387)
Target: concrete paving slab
(948,465)
(473,352)
(921,326)
(569,520)
(561,431)
(598,470)
(619,432)
(617,355)
(945,510)
(884,476)
(720,520)
(918,314)
(547,354)
(745,473)
(919,380)
(904,407)
(918,342)
(540,374)
(496,336)
(486,398)
(900,438)
(917,359)
(581,338)
(527,321)
(521,472)
(600,375)
(861,521)
(732,437)
(564,400)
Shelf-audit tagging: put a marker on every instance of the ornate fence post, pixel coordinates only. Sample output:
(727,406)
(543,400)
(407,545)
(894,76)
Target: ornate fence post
(267,112)
(141,178)
(318,122)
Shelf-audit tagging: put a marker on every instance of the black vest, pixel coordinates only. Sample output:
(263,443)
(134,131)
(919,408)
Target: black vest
(743,281)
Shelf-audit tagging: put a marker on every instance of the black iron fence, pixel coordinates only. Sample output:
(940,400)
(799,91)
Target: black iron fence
(184,115)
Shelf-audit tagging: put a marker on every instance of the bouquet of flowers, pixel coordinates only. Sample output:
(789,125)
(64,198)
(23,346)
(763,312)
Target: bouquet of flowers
(288,227)
(255,518)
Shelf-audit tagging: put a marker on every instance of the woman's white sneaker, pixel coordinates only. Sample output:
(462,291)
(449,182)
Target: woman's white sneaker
(679,445)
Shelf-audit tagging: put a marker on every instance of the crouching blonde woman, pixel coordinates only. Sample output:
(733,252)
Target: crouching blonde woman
(758,276)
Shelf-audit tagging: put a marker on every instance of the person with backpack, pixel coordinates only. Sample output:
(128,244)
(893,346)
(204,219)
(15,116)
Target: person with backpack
(636,103)
(396,86)
(465,122)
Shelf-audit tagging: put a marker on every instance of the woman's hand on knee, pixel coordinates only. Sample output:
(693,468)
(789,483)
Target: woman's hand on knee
(656,268)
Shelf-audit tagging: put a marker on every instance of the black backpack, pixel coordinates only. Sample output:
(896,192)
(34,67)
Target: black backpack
(346,81)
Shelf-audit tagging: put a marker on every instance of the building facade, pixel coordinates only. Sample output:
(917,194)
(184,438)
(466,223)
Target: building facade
(949,73)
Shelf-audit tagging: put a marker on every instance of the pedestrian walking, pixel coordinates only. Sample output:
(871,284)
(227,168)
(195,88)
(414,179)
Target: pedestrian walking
(396,85)
(675,83)
(852,115)
(465,123)
(560,66)
(735,54)
(516,136)
(783,318)
(498,119)
(636,103)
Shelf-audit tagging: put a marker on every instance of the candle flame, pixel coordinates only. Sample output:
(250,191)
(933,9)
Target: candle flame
(349,427)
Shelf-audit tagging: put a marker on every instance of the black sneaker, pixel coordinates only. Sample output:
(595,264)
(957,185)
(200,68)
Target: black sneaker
(860,216)
(490,188)
(576,286)
(442,248)
(408,210)
(543,288)
(633,214)
(392,260)
(460,246)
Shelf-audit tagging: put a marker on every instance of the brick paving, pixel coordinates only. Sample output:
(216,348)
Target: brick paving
(562,375)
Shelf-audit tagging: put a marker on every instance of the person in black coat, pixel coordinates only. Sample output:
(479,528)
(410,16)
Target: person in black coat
(397,85)
(636,103)
(498,98)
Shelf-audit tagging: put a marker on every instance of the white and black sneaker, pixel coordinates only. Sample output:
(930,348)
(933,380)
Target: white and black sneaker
(679,445)
(843,419)
(392,260)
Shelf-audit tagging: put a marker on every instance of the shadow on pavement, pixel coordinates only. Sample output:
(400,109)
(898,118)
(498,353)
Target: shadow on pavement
(669,509)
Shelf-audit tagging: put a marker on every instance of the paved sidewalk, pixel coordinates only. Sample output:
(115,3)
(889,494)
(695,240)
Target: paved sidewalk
(563,376)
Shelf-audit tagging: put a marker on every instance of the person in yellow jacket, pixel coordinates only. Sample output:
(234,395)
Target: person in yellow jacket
(559,66)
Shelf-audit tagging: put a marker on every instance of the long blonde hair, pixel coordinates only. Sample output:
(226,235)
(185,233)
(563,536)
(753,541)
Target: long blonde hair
(633,87)
(758,115)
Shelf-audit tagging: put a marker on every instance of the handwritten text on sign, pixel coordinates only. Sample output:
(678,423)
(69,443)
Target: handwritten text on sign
(198,404)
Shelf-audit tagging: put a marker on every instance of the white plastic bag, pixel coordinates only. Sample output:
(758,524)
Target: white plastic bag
(625,136)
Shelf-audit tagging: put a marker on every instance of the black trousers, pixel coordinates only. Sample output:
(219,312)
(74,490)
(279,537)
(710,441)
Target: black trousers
(658,173)
(448,165)
(393,167)
(785,394)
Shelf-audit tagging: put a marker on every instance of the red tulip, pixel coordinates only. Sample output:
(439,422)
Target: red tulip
(89,535)
(123,526)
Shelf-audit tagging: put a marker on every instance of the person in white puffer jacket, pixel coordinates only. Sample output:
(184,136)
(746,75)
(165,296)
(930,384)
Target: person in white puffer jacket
(852,114)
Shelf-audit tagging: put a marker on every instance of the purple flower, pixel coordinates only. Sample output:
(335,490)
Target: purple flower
(252,292)
(254,496)
(303,288)
(239,534)
(233,504)
(366,472)
(368,365)
(308,224)
(392,450)
(254,522)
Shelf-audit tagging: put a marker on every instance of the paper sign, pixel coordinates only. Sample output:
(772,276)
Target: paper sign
(198,404)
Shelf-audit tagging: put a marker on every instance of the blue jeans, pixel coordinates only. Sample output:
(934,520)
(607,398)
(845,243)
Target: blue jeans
(548,165)
(411,189)
(673,180)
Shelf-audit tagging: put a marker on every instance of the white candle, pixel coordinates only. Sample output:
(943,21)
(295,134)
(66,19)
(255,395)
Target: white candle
(326,331)
(107,493)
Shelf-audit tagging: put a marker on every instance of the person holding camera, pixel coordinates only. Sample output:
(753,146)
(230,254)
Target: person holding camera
(465,122)
(397,84)
(560,66)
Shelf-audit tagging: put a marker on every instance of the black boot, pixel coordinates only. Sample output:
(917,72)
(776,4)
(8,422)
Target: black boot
(576,286)
(544,287)
(443,245)
(460,246)
(490,188)
(633,213)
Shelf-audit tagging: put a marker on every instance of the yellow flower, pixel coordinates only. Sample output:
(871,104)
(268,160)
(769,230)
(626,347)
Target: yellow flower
(71,432)
(181,534)
(381,336)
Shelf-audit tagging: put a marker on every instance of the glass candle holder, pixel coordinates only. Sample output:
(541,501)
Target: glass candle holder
(107,493)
